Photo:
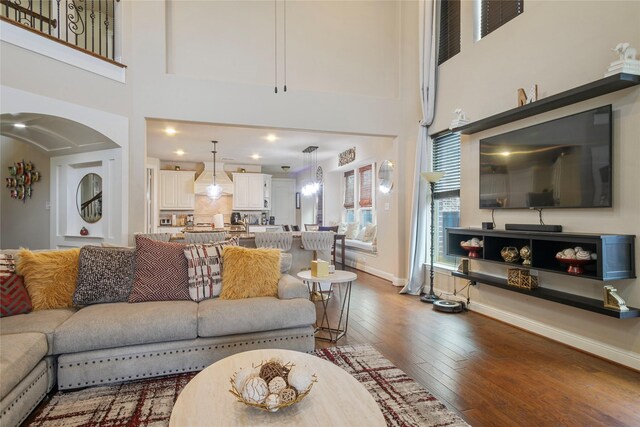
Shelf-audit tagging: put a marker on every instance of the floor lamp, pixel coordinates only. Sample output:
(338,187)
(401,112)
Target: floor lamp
(432,178)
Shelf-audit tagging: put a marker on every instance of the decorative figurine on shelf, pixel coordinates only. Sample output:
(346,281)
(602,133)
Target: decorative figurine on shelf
(612,300)
(627,62)
(84,231)
(460,120)
(525,254)
(527,98)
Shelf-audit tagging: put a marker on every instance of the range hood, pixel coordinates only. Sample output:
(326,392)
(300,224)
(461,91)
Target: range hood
(205,179)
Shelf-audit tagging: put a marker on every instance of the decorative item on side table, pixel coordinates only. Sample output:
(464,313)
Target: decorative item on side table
(272,385)
(432,178)
(521,279)
(612,300)
(473,246)
(510,254)
(575,258)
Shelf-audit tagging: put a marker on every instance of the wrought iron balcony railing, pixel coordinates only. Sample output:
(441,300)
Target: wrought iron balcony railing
(86,24)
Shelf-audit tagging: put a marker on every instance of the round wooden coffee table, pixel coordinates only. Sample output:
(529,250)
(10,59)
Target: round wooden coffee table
(336,399)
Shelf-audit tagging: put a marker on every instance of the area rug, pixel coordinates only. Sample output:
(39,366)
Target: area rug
(402,401)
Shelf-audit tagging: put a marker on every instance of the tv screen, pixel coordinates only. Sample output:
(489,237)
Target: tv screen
(563,163)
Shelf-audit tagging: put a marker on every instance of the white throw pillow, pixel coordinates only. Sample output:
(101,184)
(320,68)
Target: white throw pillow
(360,235)
(352,230)
(370,233)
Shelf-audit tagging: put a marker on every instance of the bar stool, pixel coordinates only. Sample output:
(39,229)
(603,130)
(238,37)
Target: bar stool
(276,239)
(159,237)
(320,242)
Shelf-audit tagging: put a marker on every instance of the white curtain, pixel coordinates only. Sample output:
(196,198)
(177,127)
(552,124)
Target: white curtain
(419,208)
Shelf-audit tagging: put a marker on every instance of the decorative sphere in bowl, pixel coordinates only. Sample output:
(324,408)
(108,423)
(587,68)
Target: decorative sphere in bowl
(271,386)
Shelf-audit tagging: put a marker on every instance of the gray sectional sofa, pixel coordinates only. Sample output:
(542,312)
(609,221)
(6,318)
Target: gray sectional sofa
(107,343)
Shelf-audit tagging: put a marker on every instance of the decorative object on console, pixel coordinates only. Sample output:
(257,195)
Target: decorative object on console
(521,279)
(575,258)
(21,177)
(612,300)
(510,254)
(84,231)
(214,191)
(432,178)
(473,246)
(460,120)
(525,254)
(275,386)
(527,98)
(627,63)
(347,156)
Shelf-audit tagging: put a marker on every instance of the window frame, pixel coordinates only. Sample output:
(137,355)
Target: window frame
(356,212)
(493,14)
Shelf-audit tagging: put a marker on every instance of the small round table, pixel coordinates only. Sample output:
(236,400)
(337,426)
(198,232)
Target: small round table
(207,401)
(340,277)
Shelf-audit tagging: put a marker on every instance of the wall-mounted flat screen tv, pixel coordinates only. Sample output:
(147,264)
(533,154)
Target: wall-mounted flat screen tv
(563,163)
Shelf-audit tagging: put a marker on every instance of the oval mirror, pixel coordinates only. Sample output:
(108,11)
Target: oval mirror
(385,177)
(89,198)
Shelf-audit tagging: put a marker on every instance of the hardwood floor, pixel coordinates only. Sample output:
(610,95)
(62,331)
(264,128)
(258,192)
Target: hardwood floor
(490,373)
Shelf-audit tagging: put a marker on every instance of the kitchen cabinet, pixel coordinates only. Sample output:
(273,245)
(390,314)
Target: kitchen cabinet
(251,191)
(177,190)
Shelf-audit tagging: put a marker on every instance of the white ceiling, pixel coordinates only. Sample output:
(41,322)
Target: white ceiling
(237,144)
(54,135)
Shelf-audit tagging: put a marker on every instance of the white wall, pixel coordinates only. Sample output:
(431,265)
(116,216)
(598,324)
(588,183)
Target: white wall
(24,223)
(558,45)
(351,68)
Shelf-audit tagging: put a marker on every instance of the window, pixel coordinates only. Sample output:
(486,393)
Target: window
(495,13)
(449,44)
(359,186)
(446,158)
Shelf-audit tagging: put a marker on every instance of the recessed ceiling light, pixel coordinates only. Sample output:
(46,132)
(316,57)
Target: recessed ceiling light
(271,137)
(170,131)
(255,156)
(180,153)
(19,125)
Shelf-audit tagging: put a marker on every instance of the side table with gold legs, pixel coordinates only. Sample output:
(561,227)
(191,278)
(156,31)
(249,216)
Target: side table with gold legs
(340,279)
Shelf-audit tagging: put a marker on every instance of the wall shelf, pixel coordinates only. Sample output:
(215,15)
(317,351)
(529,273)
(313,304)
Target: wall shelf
(589,304)
(581,93)
(615,261)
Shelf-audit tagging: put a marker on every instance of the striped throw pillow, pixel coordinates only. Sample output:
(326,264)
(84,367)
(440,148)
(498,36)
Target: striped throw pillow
(14,298)
(204,266)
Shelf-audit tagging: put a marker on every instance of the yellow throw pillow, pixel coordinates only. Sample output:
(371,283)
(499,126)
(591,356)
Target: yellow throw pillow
(50,277)
(249,273)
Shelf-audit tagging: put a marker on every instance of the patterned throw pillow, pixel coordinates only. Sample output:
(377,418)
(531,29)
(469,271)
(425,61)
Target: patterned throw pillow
(161,271)
(370,233)
(250,273)
(352,230)
(204,263)
(360,235)
(13,295)
(50,277)
(105,274)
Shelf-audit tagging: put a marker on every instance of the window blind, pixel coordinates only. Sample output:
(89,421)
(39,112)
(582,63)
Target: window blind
(495,13)
(349,190)
(449,44)
(365,176)
(446,158)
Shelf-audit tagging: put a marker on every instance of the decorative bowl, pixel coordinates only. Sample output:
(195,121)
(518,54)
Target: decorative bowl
(575,265)
(473,250)
(271,406)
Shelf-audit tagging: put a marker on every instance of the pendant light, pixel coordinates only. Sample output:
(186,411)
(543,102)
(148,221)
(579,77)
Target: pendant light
(214,191)
(310,158)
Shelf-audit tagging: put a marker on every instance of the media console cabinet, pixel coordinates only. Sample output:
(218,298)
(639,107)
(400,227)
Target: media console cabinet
(615,261)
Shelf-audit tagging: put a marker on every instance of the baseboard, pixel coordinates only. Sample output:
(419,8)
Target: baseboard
(395,281)
(614,354)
